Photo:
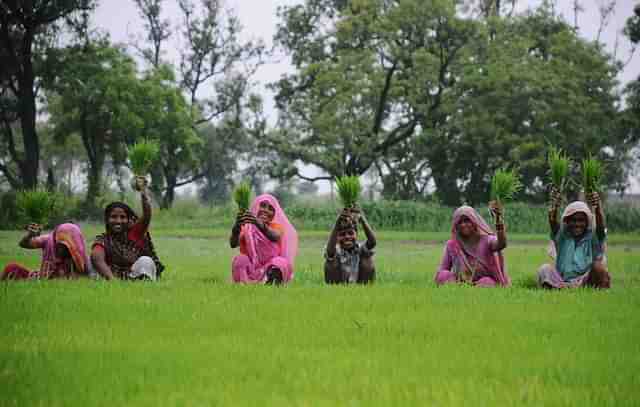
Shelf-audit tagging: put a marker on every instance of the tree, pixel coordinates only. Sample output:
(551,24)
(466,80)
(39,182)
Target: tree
(95,96)
(22,30)
(369,75)
(213,56)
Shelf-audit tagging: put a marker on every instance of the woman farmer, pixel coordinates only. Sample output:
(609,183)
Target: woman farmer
(268,244)
(474,252)
(63,254)
(578,247)
(347,260)
(126,251)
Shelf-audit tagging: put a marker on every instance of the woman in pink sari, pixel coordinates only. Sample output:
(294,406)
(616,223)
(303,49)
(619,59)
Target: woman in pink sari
(474,253)
(63,254)
(268,244)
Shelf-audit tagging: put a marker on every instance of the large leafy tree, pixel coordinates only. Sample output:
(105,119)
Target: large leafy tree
(213,72)
(25,26)
(369,74)
(95,96)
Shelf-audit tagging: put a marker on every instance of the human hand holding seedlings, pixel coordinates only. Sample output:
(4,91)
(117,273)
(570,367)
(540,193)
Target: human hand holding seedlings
(497,211)
(594,200)
(33,229)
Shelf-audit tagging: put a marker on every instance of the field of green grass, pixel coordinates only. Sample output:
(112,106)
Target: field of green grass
(195,339)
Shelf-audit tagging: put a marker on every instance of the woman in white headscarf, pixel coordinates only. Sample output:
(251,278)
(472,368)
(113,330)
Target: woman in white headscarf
(577,246)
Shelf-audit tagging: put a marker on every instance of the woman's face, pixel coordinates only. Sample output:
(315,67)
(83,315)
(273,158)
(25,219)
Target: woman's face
(266,212)
(577,224)
(465,227)
(118,220)
(346,238)
(62,252)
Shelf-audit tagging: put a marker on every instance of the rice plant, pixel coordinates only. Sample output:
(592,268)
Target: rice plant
(35,206)
(349,189)
(558,168)
(242,196)
(142,156)
(591,175)
(505,184)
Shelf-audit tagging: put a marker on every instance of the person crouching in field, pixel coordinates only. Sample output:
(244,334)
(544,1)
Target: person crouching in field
(126,250)
(474,253)
(63,254)
(268,244)
(578,249)
(346,260)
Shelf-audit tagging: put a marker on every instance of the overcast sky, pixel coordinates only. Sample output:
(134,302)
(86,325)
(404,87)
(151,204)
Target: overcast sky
(121,20)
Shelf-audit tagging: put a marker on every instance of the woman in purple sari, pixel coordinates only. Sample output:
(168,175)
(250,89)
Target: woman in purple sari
(268,244)
(474,253)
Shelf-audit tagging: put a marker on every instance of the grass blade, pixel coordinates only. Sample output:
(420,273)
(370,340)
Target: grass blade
(349,189)
(142,156)
(242,196)
(505,184)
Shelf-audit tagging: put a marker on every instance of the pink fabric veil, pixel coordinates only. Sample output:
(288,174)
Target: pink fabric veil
(289,239)
(71,236)
(483,229)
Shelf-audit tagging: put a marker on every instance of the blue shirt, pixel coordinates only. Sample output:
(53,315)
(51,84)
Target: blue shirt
(574,257)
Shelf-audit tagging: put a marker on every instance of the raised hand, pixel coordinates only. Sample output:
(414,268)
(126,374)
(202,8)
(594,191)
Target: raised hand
(33,229)
(497,210)
(141,183)
(555,197)
(594,200)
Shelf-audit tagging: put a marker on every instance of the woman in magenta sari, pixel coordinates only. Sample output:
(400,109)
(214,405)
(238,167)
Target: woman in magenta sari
(474,253)
(63,254)
(268,244)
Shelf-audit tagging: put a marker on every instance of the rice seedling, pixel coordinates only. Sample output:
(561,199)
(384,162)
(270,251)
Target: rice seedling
(504,185)
(242,196)
(35,205)
(558,167)
(348,190)
(591,175)
(142,156)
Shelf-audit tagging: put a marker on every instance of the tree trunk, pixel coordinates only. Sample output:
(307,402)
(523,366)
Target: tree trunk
(170,192)
(30,165)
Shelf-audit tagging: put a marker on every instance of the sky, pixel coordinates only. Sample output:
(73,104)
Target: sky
(121,20)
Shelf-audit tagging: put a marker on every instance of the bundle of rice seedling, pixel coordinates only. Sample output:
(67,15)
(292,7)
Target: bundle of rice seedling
(242,196)
(504,185)
(35,206)
(142,156)
(348,190)
(591,175)
(558,168)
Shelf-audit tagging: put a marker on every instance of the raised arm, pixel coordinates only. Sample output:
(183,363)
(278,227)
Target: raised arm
(33,231)
(272,234)
(100,264)
(368,231)
(501,234)
(333,237)
(555,199)
(234,239)
(596,205)
(141,184)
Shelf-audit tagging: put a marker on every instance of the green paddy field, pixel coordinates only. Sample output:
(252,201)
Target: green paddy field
(193,339)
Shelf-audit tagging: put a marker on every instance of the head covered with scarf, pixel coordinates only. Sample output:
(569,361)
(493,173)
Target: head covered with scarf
(578,207)
(70,236)
(127,250)
(126,208)
(482,228)
(258,247)
(571,209)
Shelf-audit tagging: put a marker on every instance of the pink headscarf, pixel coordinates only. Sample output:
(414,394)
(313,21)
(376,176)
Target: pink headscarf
(496,265)
(69,235)
(260,249)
